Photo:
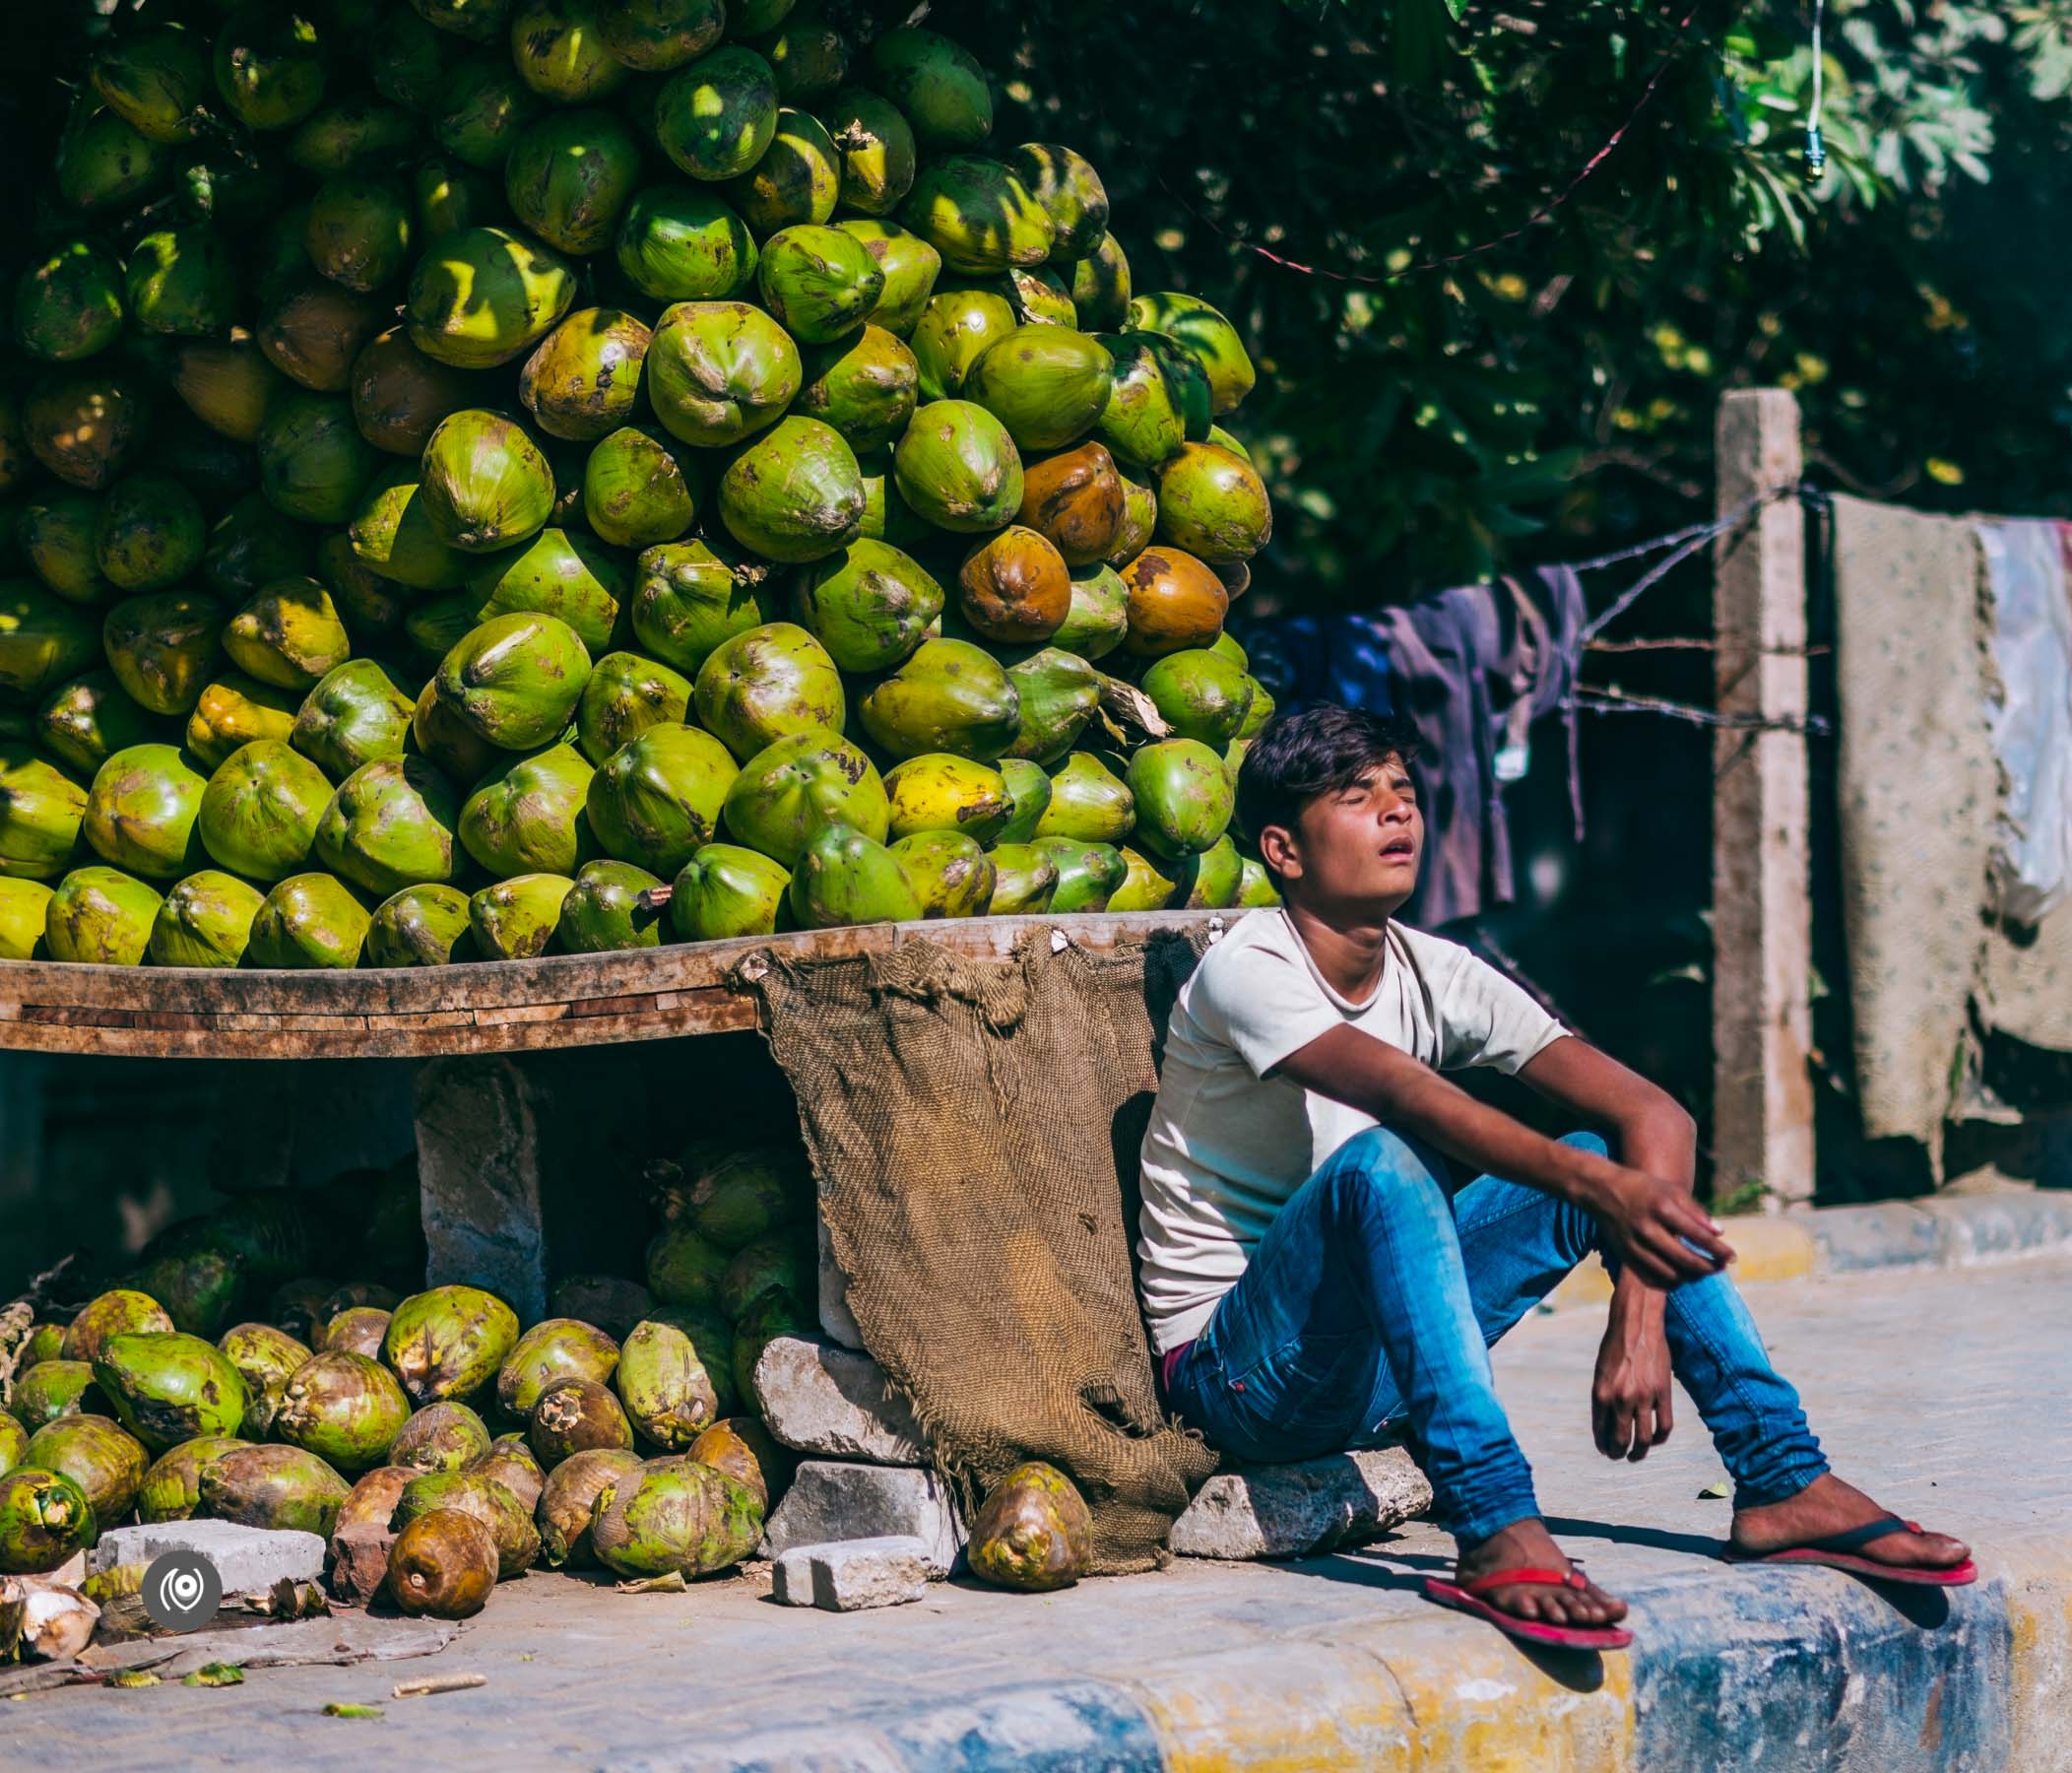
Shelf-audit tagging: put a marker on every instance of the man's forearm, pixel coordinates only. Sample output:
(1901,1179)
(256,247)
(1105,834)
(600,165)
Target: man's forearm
(1664,1145)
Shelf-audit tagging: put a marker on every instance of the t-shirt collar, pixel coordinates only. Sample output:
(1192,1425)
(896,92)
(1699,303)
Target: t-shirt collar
(1340,1000)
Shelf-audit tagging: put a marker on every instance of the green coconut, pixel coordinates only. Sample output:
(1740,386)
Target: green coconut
(399,394)
(939,792)
(68,305)
(405,57)
(140,811)
(625,696)
(484,486)
(168,1388)
(121,1311)
(389,825)
(234,711)
(528,815)
(172,1489)
(515,919)
(310,328)
(288,633)
(958,468)
(1211,881)
(953,328)
(269,67)
(552,1351)
(724,891)
(718,117)
(308,920)
(766,683)
(53,1388)
(794,494)
(1070,192)
(910,266)
(1146,418)
(798,179)
(206,920)
(843,877)
(278,1488)
(479,109)
(656,801)
(357,713)
(421,926)
(251,545)
(865,386)
(55,534)
(156,80)
(819,282)
(1088,872)
(84,427)
(99,916)
(560,573)
(569,178)
(1209,337)
(42,810)
(1183,794)
(640,487)
(515,681)
(98,1454)
(650,36)
(1212,502)
(358,231)
(604,910)
(937,84)
(1028,787)
(978,214)
(1023,880)
(436,628)
(25,908)
(393,536)
(560,52)
(719,371)
(583,382)
(869,607)
(345,1408)
(950,873)
(46,1519)
(482,297)
(799,785)
(684,1270)
(682,243)
(441,1437)
(1033,1532)
(1047,384)
(948,697)
(44,640)
(102,162)
(1089,803)
(264,1357)
(1200,694)
(1060,692)
(1147,886)
(449,1341)
(1140,519)
(313,464)
(674,1515)
(261,809)
(570,1493)
(226,383)
(182,281)
(362,134)
(667,1394)
(689,601)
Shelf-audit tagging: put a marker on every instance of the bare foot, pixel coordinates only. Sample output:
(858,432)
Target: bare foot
(1526,1545)
(1827,1506)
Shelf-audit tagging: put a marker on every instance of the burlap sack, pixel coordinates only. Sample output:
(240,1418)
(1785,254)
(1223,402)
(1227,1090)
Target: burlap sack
(974,1127)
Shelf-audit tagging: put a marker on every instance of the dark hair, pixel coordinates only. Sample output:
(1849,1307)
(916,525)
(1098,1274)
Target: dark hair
(1310,752)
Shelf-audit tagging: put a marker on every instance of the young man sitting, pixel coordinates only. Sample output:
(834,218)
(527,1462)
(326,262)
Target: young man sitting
(1314,1283)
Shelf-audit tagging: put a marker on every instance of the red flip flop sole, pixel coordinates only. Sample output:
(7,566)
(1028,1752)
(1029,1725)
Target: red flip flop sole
(1529,1631)
(1955,1576)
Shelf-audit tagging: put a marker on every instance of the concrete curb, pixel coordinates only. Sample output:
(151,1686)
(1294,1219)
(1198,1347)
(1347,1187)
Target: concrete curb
(1730,1667)
(1938,1232)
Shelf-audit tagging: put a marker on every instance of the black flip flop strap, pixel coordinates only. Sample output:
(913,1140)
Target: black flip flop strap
(1857,1537)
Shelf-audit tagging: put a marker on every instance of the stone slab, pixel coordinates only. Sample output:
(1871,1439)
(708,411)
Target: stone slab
(1295,1510)
(830,1501)
(820,1398)
(852,1576)
(249,1559)
(1854,1239)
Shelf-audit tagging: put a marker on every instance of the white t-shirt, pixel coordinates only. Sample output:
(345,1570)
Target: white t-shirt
(1227,1146)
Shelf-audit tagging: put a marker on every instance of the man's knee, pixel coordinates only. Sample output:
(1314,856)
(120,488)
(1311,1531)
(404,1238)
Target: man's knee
(1379,1171)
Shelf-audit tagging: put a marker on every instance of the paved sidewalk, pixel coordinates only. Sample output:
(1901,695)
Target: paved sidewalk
(1942,1392)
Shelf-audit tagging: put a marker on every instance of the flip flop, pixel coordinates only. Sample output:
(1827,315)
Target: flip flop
(1467,1596)
(1838,1552)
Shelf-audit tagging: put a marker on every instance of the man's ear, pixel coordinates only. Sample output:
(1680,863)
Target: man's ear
(1278,850)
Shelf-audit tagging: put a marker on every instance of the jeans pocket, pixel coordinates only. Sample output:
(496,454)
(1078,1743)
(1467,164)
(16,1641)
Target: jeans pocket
(1302,1401)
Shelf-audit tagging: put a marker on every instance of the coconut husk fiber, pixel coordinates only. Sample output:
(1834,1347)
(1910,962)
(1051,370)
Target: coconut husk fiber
(974,1127)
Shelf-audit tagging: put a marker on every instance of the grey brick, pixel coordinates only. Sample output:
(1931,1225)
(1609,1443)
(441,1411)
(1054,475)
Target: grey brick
(247,1558)
(853,1575)
(830,1501)
(1292,1510)
(820,1397)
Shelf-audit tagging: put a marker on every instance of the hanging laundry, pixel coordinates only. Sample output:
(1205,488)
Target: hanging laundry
(2031,651)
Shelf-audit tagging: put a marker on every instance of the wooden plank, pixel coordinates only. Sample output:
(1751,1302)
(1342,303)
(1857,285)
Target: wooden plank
(568,1000)
(1761,904)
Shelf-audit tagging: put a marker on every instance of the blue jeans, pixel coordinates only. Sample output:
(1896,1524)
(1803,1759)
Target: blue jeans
(1368,1310)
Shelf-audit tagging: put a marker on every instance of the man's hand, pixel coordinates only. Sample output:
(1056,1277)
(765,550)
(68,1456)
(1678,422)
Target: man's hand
(1630,1405)
(1654,1224)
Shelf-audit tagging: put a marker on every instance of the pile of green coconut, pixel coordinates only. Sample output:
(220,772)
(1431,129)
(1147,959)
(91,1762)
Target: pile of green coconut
(485,478)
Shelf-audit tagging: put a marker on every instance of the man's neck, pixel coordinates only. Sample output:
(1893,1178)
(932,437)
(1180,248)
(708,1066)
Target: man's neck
(1350,957)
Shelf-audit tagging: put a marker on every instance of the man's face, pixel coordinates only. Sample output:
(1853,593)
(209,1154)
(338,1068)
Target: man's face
(1356,850)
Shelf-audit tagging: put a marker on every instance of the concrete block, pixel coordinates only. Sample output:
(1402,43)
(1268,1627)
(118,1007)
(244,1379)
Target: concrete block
(820,1398)
(1993,1227)
(1294,1510)
(1854,1239)
(360,1556)
(830,1501)
(478,1125)
(853,1575)
(247,1558)
(835,1318)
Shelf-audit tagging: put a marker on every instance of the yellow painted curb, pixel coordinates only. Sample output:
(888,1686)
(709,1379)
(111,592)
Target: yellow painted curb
(1764,1249)
(1278,1707)
(2038,1571)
